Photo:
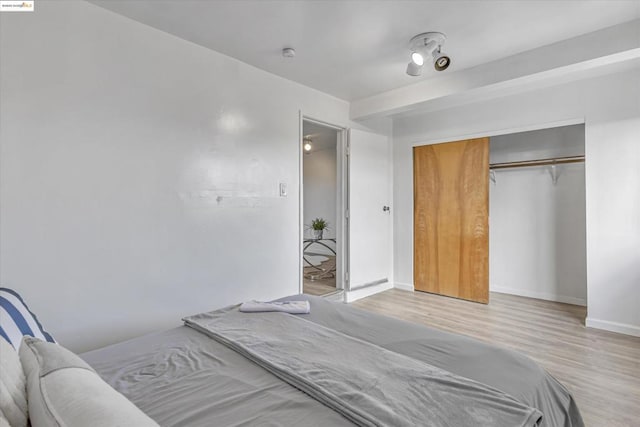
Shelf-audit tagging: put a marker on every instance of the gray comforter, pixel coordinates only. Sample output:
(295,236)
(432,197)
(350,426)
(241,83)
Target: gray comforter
(375,387)
(182,377)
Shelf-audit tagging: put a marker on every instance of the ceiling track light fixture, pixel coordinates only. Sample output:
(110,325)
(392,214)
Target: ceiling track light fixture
(427,45)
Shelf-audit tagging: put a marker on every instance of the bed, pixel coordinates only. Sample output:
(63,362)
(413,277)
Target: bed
(183,377)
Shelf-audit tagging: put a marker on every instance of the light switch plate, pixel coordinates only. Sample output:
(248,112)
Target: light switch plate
(283,189)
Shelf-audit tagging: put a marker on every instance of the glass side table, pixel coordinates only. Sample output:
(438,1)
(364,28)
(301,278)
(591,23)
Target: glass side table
(319,272)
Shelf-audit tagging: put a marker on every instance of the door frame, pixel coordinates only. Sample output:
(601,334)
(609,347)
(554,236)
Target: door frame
(497,132)
(342,199)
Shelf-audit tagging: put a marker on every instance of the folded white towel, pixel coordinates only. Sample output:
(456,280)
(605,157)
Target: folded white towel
(292,307)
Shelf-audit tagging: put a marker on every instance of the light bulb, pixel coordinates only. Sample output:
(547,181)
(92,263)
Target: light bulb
(307,146)
(441,61)
(417,58)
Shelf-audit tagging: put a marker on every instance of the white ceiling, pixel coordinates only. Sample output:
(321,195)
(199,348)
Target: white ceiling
(355,49)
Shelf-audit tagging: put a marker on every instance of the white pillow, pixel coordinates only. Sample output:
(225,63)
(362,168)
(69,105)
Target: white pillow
(13,391)
(63,390)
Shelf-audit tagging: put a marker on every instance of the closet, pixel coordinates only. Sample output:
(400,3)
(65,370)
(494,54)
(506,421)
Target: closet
(537,225)
(502,214)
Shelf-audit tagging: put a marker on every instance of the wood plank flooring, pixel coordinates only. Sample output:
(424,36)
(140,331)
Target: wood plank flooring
(320,286)
(317,287)
(601,369)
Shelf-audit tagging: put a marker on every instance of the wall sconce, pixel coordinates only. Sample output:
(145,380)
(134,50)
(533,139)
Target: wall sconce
(307,144)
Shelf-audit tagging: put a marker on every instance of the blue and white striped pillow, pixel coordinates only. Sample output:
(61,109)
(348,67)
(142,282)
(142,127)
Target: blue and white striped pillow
(16,320)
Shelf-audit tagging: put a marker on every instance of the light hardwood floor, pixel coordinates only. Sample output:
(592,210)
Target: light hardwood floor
(320,286)
(601,369)
(317,287)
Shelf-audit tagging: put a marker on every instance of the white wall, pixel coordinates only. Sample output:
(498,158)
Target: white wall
(139,174)
(562,141)
(537,229)
(320,194)
(610,107)
(320,187)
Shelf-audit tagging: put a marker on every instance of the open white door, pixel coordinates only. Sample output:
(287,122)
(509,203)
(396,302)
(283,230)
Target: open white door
(369,213)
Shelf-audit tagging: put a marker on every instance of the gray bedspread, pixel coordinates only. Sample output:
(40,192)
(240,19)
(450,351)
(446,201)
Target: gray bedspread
(182,377)
(377,387)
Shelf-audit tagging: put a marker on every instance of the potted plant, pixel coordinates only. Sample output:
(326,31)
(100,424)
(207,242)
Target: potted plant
(318,225)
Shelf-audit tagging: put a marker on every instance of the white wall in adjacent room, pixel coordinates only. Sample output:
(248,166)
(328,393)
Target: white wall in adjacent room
(139,174)
(320,177)
(537,229)
(610,107)
(320,172)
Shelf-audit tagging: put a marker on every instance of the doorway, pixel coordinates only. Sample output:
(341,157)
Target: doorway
(322,242)
(352,169)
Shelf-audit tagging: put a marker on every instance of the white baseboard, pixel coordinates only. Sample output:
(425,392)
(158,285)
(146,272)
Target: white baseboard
(357,294)
(404,286)
(538,295)
(621,328)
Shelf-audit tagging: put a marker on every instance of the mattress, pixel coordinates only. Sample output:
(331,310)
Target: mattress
(181,377)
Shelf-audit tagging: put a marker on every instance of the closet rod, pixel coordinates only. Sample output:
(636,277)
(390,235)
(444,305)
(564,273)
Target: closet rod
(540,162)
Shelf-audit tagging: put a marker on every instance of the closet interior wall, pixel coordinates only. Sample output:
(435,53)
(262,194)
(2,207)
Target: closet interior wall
(537,228)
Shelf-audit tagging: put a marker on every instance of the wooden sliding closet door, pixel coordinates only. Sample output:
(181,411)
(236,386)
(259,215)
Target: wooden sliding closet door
(451,219)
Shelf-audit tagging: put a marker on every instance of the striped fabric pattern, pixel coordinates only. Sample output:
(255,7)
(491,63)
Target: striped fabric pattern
(16,320)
